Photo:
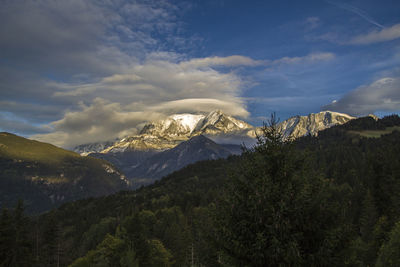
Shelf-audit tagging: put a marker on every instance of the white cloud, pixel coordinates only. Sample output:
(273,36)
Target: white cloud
(381,95)
(117,105)
(235,107)
(377,36)
(229,61)
(100,121)
(156,81)
(312,57)
(103,120)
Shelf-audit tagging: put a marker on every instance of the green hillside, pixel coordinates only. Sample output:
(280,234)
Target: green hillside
(45,176)
(376,133)
(19,148)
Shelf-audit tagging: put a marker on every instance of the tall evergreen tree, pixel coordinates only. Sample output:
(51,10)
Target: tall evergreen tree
(51,250)
(7,238)
(389,252)
(23,243)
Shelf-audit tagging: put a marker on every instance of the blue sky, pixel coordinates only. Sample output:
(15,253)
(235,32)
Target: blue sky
(84,71)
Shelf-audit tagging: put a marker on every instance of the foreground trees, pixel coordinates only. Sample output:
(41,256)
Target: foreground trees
(278,211)
(15,240)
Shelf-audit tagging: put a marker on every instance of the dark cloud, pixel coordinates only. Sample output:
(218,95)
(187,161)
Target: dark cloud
(381,95)
(61,35)
(53,46)
(22,127)
(34,113)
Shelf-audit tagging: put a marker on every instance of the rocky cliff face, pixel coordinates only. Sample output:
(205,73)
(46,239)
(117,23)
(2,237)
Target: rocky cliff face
(86,149)
(170,132)
(298,126)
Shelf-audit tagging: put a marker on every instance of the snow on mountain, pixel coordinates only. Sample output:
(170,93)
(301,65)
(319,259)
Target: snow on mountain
(86,149)
(168,133)
(313,123)
(189,121)
(174,126)
(217,122)
(175,129)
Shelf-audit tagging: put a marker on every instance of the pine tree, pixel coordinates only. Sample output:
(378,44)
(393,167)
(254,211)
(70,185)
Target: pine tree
(51,251)
(7,238)
(23,242)
(389,252)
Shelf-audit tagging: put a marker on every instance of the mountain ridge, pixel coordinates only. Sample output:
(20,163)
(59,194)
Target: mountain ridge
(311,124)
(168,133)
(46,176)
(161,164)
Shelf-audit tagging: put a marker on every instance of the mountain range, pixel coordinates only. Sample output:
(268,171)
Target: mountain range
(311,124)
(47,176)
(168,133)
(164,146)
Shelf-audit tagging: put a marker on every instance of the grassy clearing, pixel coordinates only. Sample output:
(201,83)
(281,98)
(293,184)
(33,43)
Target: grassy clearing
(376,133)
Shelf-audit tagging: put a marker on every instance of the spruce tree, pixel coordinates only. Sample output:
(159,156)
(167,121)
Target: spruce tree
(23,243)
(7,238)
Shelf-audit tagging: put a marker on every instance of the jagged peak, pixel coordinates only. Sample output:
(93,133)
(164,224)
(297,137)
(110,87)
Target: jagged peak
(312,123)
(328,112)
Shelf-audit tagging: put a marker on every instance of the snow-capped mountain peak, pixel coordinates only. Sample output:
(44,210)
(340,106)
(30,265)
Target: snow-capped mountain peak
(217,122)
(313,123)
(169,132)
(189,121)
(86,149)
(174,125)
(175,129)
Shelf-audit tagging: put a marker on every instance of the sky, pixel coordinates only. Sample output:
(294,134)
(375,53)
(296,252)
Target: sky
(80,71)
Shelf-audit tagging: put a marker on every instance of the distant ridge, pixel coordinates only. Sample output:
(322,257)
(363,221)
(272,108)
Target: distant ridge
(311,124)
(195,149)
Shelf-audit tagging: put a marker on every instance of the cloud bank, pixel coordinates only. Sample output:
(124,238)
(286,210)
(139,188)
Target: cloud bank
(119,104)
(377,36)
(381,95)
